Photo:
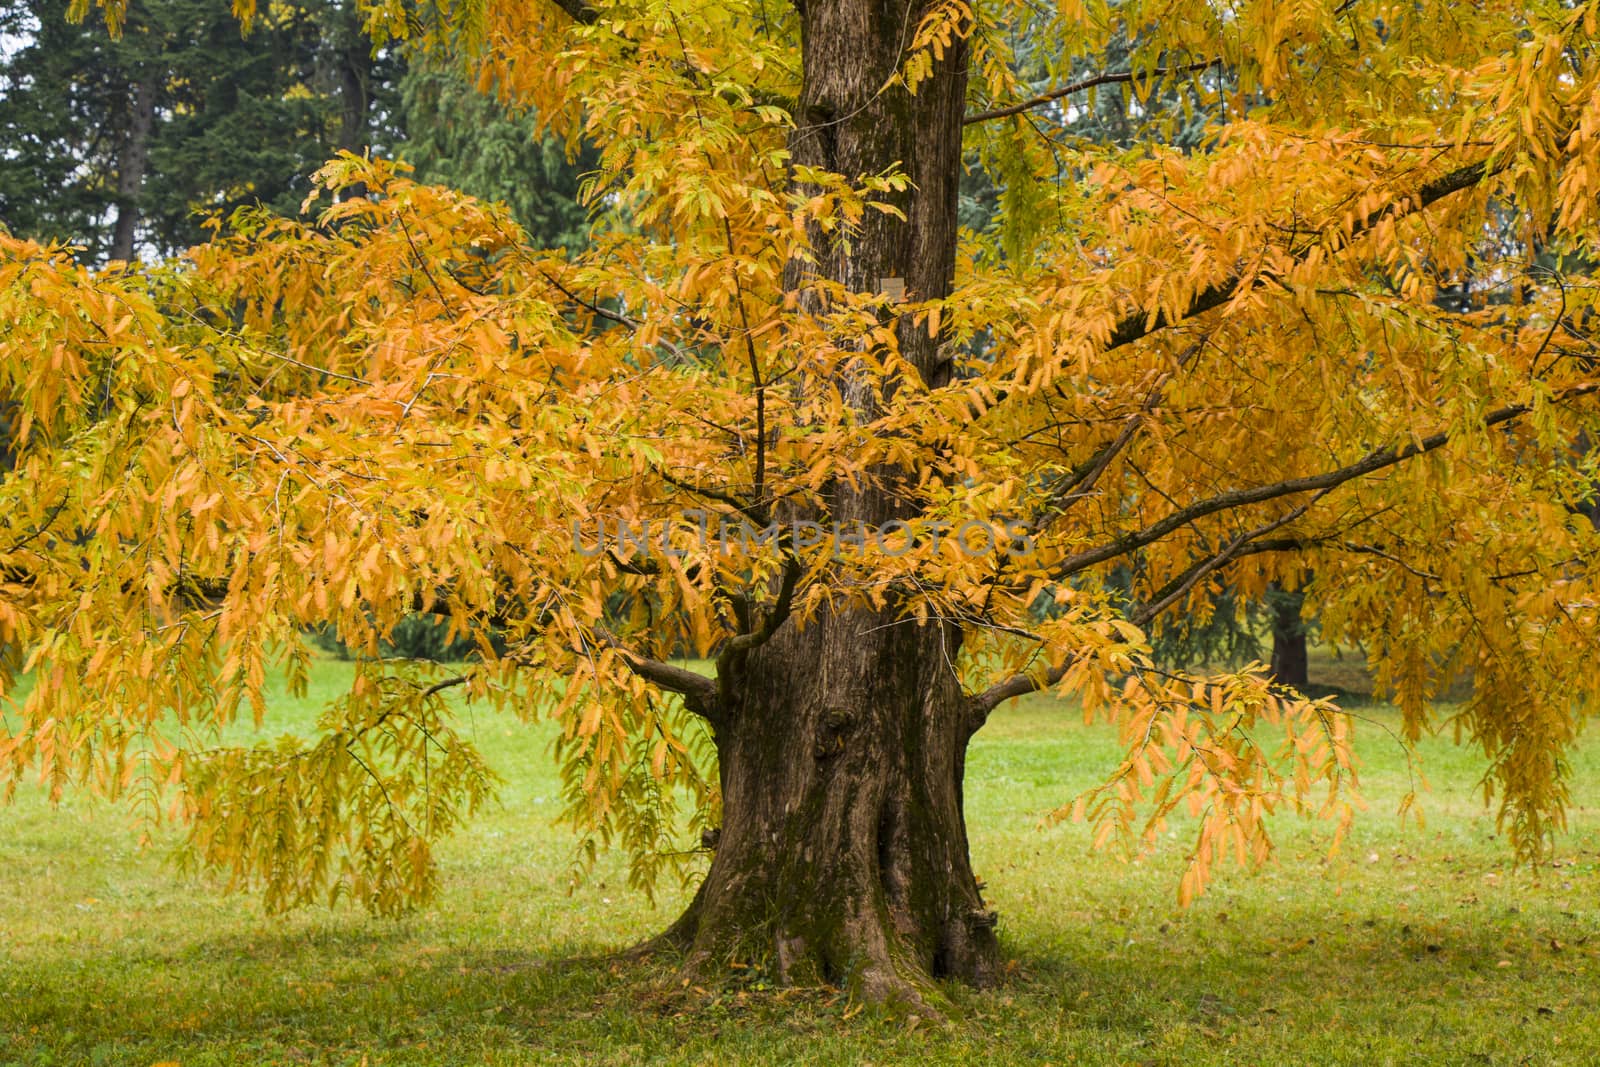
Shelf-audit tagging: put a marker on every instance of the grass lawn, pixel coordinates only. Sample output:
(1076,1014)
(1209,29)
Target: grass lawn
(1414,944)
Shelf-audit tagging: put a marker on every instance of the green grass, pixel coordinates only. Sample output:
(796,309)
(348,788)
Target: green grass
(1415,943)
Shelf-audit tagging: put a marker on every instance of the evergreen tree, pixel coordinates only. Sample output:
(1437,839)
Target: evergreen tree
(123,146)
(458,136)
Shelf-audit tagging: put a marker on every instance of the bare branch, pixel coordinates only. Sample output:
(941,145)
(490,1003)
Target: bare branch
(1081,86)
(590,306)
(447,683)
(1374,461)
(699,692)
(579,11)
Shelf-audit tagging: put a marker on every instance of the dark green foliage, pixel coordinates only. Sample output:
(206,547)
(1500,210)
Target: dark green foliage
(420,637)
(1235,630)
(238,120)
(462,138)
(1231,634)
(233,119)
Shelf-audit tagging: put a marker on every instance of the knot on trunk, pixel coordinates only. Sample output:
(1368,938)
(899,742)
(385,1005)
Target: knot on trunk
(831,730)
(710,838)
(983,918)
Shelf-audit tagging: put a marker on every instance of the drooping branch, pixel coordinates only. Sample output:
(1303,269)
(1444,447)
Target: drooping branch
(198,593)
(1374,461)
(1083,85)
(1139,324)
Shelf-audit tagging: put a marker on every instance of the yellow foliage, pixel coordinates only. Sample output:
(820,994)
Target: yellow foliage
(1174,367)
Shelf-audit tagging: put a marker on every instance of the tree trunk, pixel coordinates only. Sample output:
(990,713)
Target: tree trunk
(842,856)
(131,161)
(843,852)
(852,121)
(354,64)
(1289,661)
(355,93)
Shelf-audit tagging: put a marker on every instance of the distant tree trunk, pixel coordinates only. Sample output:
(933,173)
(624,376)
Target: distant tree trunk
(843,850)
(131,162)
(1289,665)
(355,95)
(354,62)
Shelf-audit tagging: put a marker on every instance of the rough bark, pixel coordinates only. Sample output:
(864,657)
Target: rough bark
(842,857)
(852,122)
(132,159)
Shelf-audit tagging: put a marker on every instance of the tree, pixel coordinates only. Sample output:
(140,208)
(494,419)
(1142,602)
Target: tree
(780,410)
(471,141)
(127,145)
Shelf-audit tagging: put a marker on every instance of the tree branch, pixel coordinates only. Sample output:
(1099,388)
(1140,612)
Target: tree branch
(448,683)
(1081,86)
(1374,461)
(1247,543)
(752,511)
(1018,685)
(769,624)
(1170,593)
(1136,325)
(579,11)
(699,692)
